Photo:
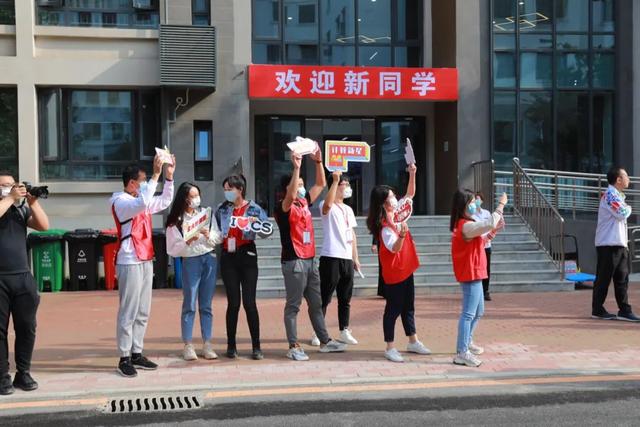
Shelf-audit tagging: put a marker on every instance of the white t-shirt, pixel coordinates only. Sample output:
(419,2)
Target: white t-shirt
(338,227)
(389,238)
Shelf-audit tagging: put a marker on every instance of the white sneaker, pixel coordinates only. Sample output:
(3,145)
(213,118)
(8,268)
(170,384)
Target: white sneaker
(347,338)
(189,353)
(467,359)
(393,355)
(298,354)
(417,347)
(207,351)
(333,346)
(475,349)
(315,341)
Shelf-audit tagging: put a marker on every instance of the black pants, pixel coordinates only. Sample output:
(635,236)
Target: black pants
(400,302)
(18,298)
(485,282)
(336,275)
(613,263)
(240,276)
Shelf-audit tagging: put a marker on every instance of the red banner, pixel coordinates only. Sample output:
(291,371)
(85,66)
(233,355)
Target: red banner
(329,82)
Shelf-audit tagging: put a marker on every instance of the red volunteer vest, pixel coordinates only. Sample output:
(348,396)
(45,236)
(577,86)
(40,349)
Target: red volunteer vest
(141,234)
(397,267)
(301,221)
(469,258)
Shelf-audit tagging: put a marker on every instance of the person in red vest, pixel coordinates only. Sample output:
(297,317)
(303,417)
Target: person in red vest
(398,260)
(470,268)
(299,267)
(132,210)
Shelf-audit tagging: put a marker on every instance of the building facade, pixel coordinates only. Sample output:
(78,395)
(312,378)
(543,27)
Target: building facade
(88,86)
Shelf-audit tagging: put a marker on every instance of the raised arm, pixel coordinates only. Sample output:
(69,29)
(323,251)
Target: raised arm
(477,228)
(162,202)
(331,195)
(321,180)
(39,220)
(292,188)
(411,186)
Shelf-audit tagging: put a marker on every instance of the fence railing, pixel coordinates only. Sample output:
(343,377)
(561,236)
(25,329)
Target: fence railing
(542,217)
(483,180)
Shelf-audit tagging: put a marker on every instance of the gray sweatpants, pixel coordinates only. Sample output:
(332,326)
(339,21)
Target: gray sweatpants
(134,285)
(302,279)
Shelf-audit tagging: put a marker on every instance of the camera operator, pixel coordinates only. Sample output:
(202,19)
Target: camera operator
(18,290)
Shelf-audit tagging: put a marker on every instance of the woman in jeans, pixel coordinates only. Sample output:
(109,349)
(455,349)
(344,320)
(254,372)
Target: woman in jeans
(470,268)
(239,261)
(399,260)
(199,268)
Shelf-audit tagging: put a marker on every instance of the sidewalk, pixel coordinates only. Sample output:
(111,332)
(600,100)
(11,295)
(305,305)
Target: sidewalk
(525,335)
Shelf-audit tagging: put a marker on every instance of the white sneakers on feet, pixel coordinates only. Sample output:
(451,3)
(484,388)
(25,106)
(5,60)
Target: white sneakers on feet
(315,341)
(189,353)
(207,351)
(467,359)
(333,346)
(393,355)
(417,347)
(297,354)
(475,349)
(347,338)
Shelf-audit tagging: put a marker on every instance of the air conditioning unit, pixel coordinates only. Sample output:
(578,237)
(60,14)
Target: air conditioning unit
(50,3)
(144,4)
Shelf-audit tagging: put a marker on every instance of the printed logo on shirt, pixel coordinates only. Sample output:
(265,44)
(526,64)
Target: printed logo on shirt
(257,226)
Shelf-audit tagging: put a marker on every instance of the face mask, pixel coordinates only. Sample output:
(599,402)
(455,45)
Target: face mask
(195,202)
(478,203)
(471,208)
(142,189)
(348,192)
(231,196)
(302,192)
(393,202)
(5,192)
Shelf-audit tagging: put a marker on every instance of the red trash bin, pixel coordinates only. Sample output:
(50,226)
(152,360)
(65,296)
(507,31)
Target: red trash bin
(109,239)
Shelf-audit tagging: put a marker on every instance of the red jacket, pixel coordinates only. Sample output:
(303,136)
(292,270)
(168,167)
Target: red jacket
(469,258)
(397,267)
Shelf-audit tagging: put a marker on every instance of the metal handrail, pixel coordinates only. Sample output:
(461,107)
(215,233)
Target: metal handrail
(542,217)
(484,178)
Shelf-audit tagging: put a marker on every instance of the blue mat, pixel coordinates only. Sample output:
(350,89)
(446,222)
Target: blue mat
(580,277)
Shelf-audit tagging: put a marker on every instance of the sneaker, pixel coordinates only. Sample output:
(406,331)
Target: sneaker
(257,354)
(126,368)
(24,381)
(467,359)
(141,362)
(207,351)
(347,338)
(475,349)
(315,341)
(189,353)
(231,353)
(393,355)
(605,315)
(333,347)
(6,388)
(298,354)
(628,317)
(417,347)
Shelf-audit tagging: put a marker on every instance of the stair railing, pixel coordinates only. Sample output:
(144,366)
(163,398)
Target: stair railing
(483,180)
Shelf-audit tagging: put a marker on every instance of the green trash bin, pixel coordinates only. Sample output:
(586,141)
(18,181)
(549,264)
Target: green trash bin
(47,249)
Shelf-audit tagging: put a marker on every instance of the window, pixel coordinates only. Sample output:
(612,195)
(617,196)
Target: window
(103,13)
(553,76)
(7,12)
(201,12)
(9,129)
(338,32)
(203,150)
(91,134)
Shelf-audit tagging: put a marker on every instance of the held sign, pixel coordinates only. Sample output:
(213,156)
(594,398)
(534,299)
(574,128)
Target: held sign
(403,211)
(338,154)
(245,224)
(192,227)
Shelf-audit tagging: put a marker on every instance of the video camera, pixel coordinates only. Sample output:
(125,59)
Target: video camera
(41,192)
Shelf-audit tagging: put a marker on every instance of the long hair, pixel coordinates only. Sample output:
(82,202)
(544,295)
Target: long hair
(461,198)
(377,213)
(180,204)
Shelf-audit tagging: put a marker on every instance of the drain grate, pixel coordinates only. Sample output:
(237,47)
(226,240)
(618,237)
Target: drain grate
(153,404)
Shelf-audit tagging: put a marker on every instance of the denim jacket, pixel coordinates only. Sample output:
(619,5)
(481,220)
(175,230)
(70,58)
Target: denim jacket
(225,211)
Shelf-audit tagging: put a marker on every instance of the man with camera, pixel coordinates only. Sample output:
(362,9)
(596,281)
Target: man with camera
(19,297)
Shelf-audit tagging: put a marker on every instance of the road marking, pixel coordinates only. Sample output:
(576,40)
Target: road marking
(99,401)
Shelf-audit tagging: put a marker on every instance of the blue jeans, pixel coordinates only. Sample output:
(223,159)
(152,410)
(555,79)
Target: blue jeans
(198,283)
(472,311)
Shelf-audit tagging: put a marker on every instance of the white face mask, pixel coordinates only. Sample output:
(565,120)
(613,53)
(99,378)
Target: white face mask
(195,202)
(142,189)
(302,192)
(348,192)
(5,191)
(393,202)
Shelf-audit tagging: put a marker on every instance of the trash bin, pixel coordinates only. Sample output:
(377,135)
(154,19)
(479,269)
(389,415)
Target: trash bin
(109,241)
(48,259)
(83,259)
(177,271)
(160,259)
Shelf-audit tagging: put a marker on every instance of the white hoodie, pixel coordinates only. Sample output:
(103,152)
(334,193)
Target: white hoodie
(612,219)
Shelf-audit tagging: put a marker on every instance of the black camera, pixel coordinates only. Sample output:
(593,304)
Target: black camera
(37,192)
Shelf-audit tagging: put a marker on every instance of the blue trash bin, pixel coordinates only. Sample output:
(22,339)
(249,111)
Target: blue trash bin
(177,272)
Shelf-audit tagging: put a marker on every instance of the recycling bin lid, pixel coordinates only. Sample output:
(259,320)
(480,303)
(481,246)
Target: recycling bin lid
(51,235)
(82,234)
(107,236)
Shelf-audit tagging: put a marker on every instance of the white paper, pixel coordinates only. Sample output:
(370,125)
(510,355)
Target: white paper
(409,156)
(303,146)
(164,155)
(360,274)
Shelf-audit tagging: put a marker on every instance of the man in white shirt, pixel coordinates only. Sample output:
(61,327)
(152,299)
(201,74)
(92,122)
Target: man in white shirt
(611,246)
(339,254)
(132,210)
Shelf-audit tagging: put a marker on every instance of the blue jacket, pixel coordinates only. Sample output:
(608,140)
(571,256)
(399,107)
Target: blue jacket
(225,211)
